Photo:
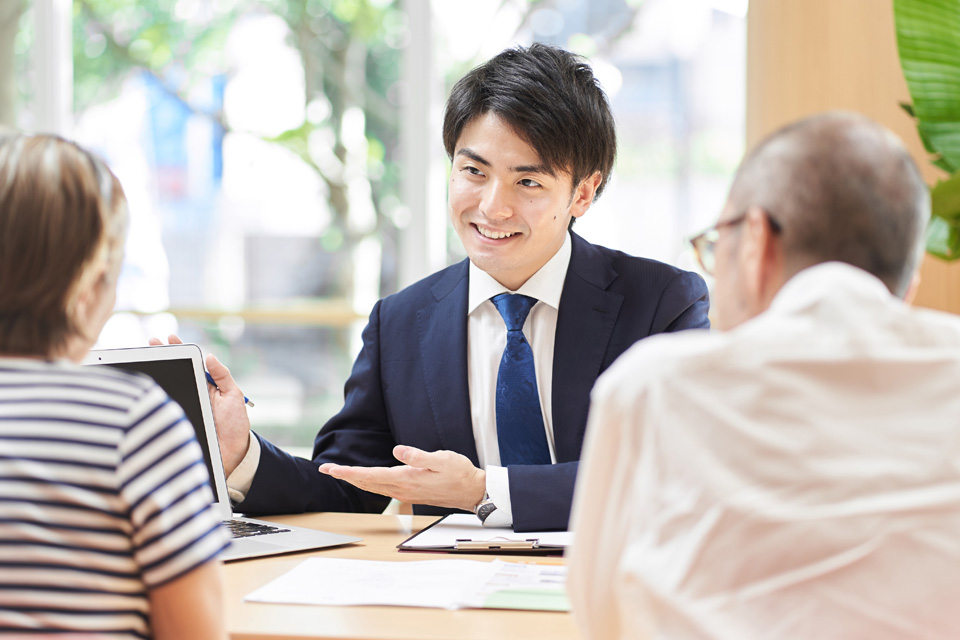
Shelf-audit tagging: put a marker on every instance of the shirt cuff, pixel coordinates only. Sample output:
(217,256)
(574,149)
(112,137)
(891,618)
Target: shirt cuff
(498,488)
(238,482)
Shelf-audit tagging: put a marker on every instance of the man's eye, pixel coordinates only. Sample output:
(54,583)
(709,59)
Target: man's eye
(527,182)
(473,171)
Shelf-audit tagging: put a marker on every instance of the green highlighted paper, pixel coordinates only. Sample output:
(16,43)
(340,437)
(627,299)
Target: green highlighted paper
(528,599)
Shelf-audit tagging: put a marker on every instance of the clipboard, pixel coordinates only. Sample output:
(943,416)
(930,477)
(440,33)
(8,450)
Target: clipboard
(463,533)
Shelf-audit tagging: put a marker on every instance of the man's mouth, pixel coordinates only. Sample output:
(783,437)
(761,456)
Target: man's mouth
(494,235)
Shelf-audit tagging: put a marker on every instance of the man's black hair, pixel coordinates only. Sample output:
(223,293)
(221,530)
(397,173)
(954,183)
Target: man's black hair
(551,100)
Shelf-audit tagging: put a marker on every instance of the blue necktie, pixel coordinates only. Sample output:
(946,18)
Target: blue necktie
(519,420)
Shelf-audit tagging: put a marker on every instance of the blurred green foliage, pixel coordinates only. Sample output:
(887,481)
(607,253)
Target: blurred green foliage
(928,39)
(350,51)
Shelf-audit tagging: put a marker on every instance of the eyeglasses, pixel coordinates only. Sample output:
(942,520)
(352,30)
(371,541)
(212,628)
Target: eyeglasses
(705,244)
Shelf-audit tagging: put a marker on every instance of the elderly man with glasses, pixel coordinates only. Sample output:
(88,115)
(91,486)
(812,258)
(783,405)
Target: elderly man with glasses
(796,474)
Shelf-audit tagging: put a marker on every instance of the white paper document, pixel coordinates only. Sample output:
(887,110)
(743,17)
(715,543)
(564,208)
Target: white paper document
(446,584)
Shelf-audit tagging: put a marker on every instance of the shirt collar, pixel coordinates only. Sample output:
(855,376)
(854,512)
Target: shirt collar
(828,280)
(546,285)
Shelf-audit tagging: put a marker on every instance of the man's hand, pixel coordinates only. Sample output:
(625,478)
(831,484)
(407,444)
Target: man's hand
(229,411)
(441,478)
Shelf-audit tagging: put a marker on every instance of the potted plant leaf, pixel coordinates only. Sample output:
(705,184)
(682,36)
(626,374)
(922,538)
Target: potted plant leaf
(928,39)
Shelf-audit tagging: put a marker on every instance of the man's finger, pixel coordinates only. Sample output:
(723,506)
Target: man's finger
(328,468)
(221,376)
(393,477)
(382,480)
(155,342)
(350,474)
(415,457)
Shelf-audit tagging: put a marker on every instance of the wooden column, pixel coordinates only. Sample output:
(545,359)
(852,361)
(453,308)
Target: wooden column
(806,56)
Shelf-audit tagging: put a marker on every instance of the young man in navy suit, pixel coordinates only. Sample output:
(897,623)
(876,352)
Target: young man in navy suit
(428,417)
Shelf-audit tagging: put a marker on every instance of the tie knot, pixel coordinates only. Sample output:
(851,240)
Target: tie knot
(513,307)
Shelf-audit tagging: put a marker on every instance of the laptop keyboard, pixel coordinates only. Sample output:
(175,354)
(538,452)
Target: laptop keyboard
(241,529)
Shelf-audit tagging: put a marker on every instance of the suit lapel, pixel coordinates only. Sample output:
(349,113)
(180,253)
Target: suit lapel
(442,328)
(585,321)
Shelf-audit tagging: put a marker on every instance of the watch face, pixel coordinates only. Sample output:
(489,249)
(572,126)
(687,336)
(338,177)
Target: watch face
(485,510)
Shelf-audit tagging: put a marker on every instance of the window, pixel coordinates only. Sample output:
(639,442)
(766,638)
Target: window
(284,165)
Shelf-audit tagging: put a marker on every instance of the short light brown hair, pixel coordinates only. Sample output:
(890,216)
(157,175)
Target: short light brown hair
(62,221)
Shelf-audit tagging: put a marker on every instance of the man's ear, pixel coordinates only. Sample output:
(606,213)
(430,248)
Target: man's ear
(762,259)
(914,286)
(583,194)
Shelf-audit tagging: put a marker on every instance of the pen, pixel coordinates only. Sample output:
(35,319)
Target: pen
(210,380)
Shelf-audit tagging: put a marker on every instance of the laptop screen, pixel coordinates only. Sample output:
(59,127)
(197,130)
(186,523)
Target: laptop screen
(176,377)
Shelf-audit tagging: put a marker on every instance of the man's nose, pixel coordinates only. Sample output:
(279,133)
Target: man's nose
(495,201)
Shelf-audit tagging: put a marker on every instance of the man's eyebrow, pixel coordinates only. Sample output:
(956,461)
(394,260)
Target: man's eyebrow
(526,168)
(476,157)
(532,168)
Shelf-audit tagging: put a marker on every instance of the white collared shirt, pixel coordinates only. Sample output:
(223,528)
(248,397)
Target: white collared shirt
(486,339)
(797,477)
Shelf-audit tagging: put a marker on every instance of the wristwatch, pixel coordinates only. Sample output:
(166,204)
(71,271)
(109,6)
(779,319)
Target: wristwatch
(485,508)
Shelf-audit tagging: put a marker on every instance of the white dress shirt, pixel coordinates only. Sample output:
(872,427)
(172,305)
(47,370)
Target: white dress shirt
(486,339)
(797,477)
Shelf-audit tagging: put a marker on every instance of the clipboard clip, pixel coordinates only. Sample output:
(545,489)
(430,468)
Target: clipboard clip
(465,544)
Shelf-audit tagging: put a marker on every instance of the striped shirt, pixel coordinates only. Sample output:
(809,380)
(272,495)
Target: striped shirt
(103,495)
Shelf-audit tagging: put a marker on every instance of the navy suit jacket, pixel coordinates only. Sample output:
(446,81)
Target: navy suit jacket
(409,383)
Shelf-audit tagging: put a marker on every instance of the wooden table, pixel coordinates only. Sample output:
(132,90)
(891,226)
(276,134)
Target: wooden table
(381,534)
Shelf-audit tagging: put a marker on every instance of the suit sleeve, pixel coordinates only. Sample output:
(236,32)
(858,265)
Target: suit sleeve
(684,304)
(541,495)
(358,435)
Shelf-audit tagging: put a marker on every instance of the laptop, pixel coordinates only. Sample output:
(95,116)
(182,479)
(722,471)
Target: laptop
(178,369)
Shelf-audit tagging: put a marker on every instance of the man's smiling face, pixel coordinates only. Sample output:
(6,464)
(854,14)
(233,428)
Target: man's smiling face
(511,214)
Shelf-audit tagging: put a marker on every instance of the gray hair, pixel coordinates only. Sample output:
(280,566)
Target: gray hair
(843,188)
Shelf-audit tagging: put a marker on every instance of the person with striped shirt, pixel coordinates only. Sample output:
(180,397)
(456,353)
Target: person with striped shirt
(106,526)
